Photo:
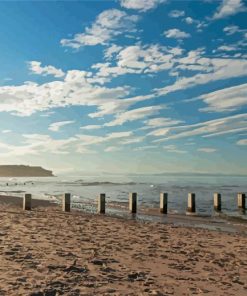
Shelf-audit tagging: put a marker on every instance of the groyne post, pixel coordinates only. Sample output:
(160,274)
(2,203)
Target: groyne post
(217,202)
(66,202)
(163,202)
(242,201)
(191,203)
(133,202)
(27,202)
(101,203)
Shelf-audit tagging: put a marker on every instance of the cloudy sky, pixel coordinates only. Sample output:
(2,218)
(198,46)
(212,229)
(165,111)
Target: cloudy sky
(137,86)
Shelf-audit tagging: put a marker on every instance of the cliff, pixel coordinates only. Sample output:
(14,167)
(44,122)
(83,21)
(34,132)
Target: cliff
(24,171)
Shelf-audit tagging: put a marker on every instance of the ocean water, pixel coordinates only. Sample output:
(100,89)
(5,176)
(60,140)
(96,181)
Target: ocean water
(85,189)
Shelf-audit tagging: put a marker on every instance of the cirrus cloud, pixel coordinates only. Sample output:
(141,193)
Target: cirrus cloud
(207,150)
(55,126)
(134,114)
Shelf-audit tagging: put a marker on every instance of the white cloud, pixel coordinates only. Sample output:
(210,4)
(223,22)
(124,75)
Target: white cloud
(211,69)
(146,59)
(228,8)
(189,20)
(6,131)
(7,79)
(242,142)
(207,150)
(84,150)
(174,149)
(112,149)
(233,130)
(132,140)
(161,121)
(160,132)
(230,30)
(227,99)
(36,68)
(86,140)
(134,114)
(118,135)
(74,90)
(151,58)
(81,143)
(91,127)
(110,51)
(142,5)
(106,71)
(118,106)
(142,148)
(227,48)
(35,144)
(47,114)
(55,127)
(176,13)
(108,24)
(211,128)
(238,47)
(199,24)
(78,88)
(176,33)
(137,59)
(40,143)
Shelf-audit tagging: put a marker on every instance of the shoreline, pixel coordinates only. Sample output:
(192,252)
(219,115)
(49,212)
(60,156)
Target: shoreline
(17,201)
(219,222)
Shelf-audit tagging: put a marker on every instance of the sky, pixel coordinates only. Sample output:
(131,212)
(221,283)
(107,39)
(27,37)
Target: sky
(124,86)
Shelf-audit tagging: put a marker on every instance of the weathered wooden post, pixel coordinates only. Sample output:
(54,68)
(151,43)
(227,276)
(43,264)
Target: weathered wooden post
(27,202)
(101,203)
(163,202)
(241,201)
(217,202)
(191,203)
(66,202)
(133,202)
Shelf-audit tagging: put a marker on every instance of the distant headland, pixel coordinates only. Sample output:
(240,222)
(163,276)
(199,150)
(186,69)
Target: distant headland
(24,171)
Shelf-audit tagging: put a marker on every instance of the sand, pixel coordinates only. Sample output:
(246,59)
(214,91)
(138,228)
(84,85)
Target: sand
(47,252)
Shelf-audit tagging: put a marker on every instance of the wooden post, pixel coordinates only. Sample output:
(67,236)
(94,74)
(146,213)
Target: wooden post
(191,203)
(241,201)
(217,202)
(133,202)
(101,203)
(27,202)
(163,202)
(66,202)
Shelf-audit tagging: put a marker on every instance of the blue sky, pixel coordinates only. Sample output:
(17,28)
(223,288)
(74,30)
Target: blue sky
(140,86)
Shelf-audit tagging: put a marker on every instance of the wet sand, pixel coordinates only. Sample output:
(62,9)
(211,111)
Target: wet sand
(47,252)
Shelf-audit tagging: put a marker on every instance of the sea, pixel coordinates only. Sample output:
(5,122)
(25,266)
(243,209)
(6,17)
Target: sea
(85,189)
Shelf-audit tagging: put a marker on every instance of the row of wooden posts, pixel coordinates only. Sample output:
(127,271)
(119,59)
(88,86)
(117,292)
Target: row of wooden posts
(241,199)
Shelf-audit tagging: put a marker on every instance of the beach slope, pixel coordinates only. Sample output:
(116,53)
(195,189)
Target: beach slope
(47,252)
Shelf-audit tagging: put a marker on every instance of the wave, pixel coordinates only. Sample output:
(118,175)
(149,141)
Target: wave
(98,183)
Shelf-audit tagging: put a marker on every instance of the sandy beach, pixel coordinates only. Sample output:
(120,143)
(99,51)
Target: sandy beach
(48,252)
